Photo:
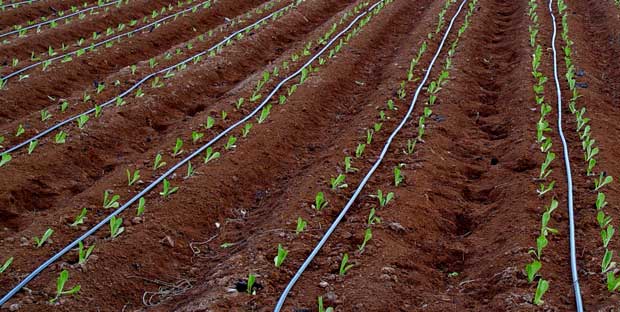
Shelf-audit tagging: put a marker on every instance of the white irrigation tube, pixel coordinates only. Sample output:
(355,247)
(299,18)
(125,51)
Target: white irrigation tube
(139,83)
(359,188)
(91,47)
(178,165)
(14,4)
(59,18)
(569,178)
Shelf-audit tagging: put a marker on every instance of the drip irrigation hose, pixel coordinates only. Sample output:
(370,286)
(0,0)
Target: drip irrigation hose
(93,46)
(139,83)
(359,188)
(14,4)
(170,171)
(569,178)
(59,18)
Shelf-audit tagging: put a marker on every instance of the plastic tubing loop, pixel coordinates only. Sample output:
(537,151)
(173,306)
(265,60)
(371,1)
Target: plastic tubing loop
(136,85)
(357,192)
(170,171)
(569,179)
(59,18)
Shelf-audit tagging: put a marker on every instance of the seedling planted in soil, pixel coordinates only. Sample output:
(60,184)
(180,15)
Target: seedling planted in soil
(6,265)
(60,286)
(279,258)
(110,201)
(116,227)
(301,225)
(40,241)
(167,191)
(79,219)
(367,237)
(83,254)
(319,201)
(344,265)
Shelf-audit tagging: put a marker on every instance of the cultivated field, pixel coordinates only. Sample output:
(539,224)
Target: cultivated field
(309,155)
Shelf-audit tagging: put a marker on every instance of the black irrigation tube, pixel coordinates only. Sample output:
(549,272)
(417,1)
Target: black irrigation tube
(569,179)
(178,165)
(139,83)
(59,18)
(14,4)
(93,46)
(360,187)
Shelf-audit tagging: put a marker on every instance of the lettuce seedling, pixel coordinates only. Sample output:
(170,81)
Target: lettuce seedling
(167,191)
(250,288)
(600,201)
(210,155)
(369,134)
(190,170)
(319,201)
(531,269)
(344,265)
(45,115)
(158,162)
(602,219)
(544,168)
(246,129)
(367,237)
(230,144)
(132,178)
(83,254)
(338,182)
(279,259)
(40,241)
(110,201)
(264,114)
(197,136)
(372,217)
(60,285)
(544,189)
(81,121)
(6,265)
(6,157)
(541,289)
(301,225)
(613,282)
(79,219)
(140,209)
(210,122)
(601,181)
(61,137)
(398,176)
(347,165)
(176,151)
(607,234)
(383,200)
(20,130)
(360,150)
(116,227)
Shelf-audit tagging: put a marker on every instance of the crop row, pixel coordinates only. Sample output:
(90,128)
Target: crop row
(97,40)
(590,151)
(546,183)
(157,77)
(112,201)
(67,17)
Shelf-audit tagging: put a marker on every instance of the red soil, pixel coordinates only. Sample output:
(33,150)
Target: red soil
(455,237)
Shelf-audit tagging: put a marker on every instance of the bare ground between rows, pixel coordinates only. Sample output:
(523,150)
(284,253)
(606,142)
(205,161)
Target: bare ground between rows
(62,79)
